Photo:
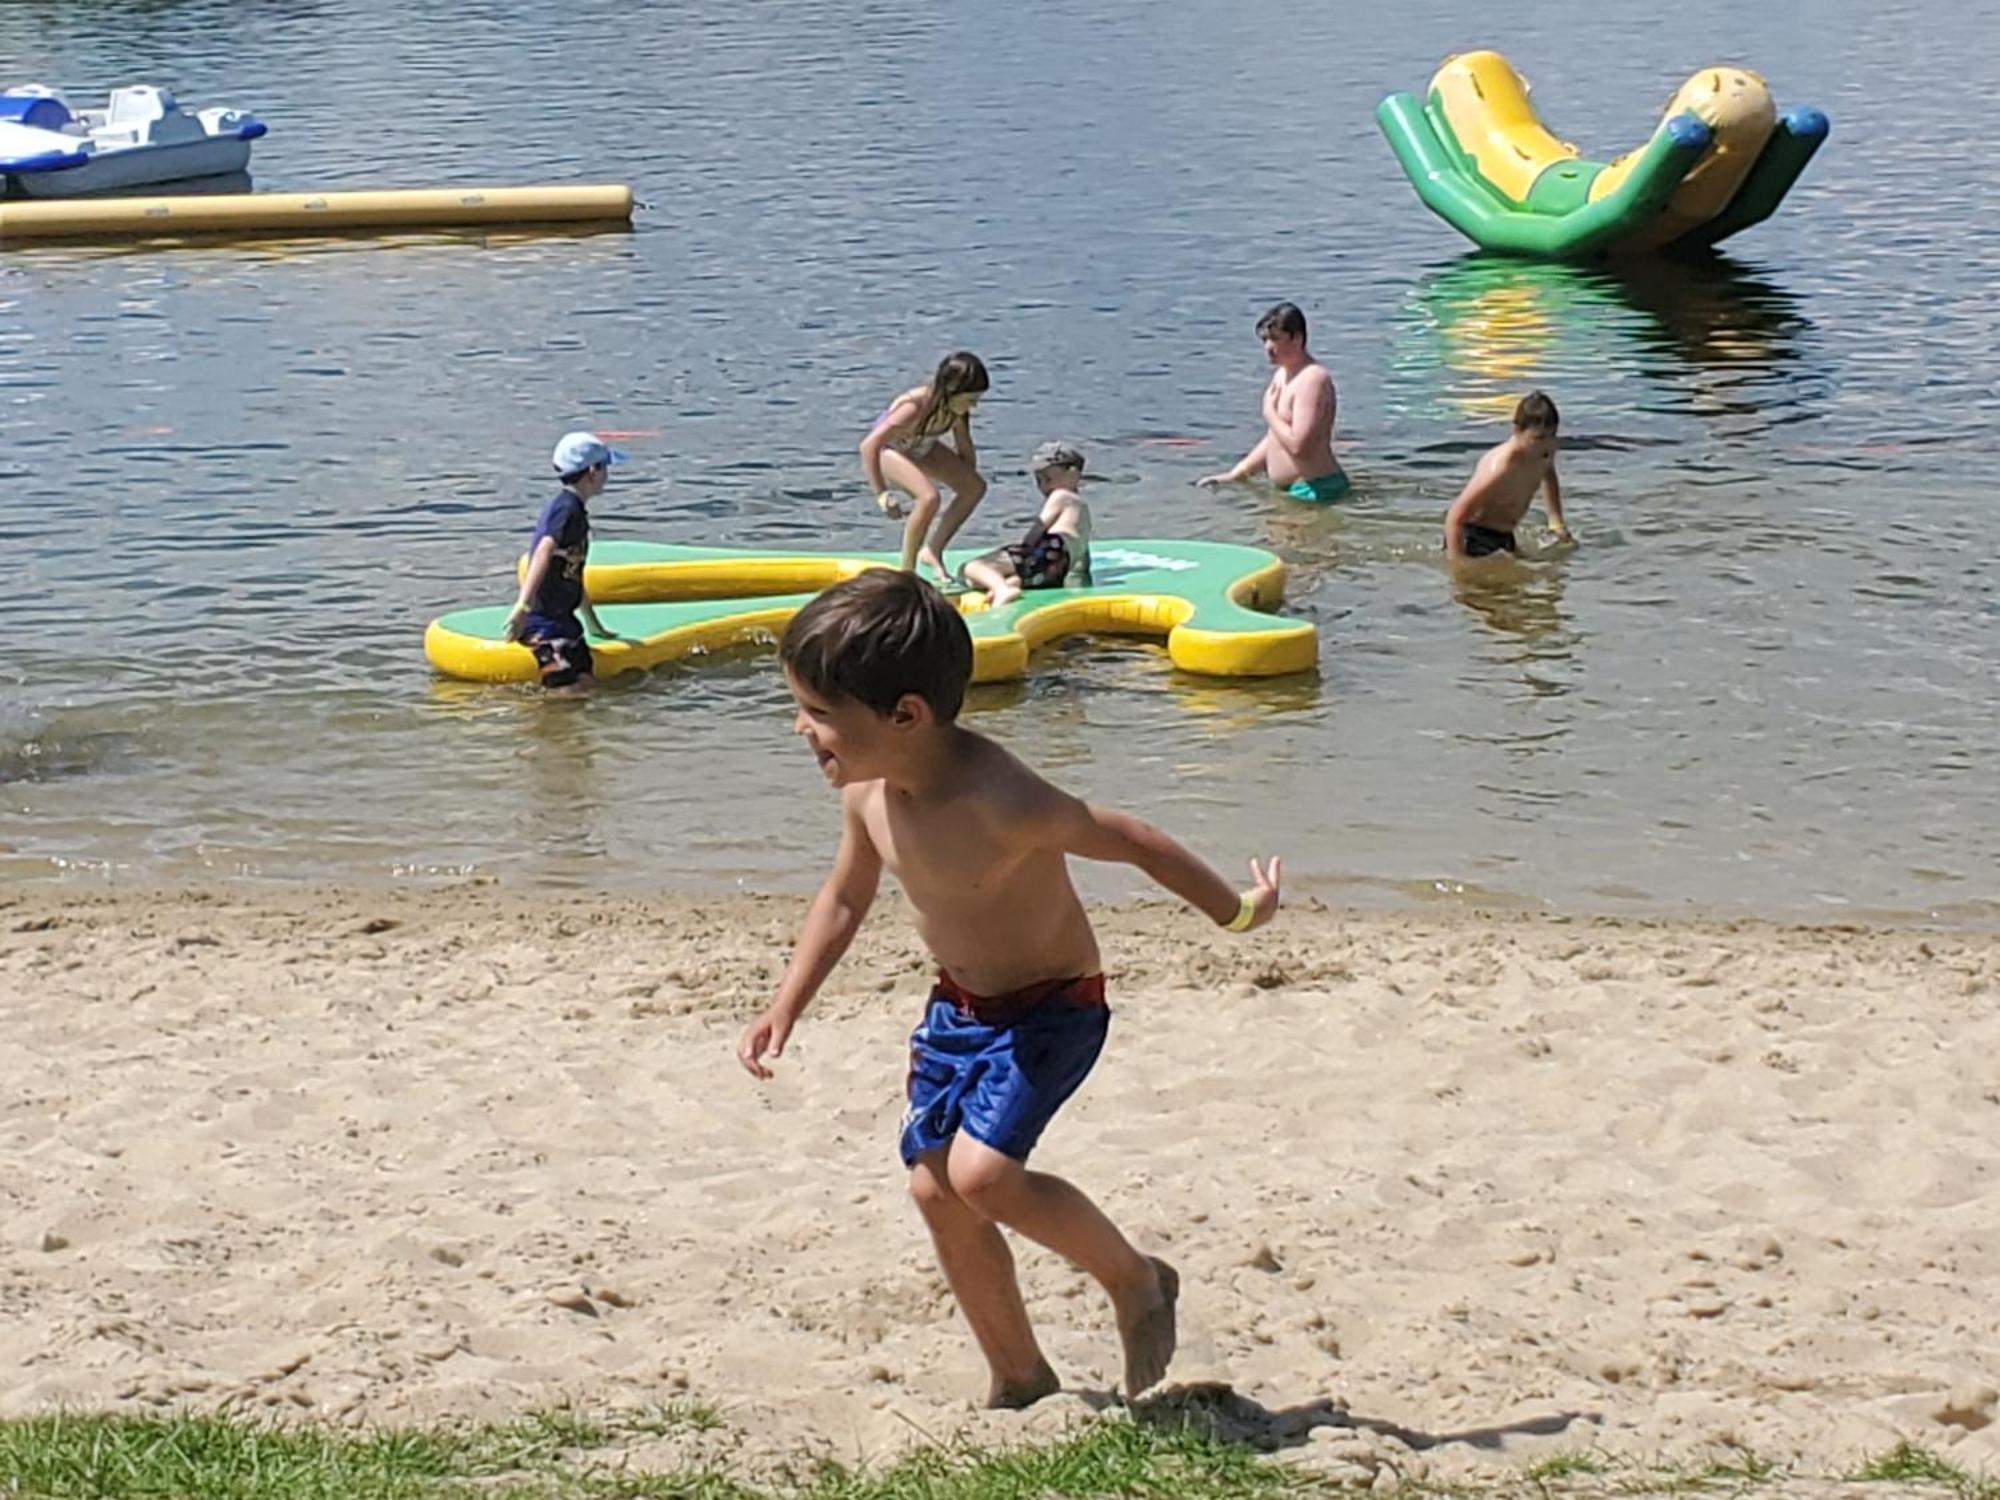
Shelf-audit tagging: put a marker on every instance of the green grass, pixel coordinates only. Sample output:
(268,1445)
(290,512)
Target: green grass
(675,1416)
(1590,1472)
(561,1455)
(566,1454)
(106,1456)
(1748,1469)
(1559,1466)
(1908,1464)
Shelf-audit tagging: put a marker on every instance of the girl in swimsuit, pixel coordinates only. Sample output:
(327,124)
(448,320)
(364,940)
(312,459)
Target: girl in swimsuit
(906,450)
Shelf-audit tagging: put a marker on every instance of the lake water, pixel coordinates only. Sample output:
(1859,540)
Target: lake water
(239,480)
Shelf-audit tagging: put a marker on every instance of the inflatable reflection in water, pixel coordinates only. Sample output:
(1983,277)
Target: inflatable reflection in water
(1722,159)
(1492,325)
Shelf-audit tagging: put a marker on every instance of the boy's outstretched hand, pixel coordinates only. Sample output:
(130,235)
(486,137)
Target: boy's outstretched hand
(767,1034)
(1263,892)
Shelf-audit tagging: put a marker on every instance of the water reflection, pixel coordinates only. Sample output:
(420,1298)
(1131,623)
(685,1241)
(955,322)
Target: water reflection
(36,747)
(1221,707)
(561,803)
(220,185)
(1714,311)
(1070,683)
(996,697)
(1498,325)
(1520,602)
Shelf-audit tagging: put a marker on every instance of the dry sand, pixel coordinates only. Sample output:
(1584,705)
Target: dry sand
(1448,1194)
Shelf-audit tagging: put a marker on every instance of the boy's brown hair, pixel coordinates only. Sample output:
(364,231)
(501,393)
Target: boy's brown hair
(878,636)
(1536,413)
(1284,318)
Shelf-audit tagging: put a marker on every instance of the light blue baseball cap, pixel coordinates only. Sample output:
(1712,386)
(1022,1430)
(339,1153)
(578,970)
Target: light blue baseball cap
(583,450)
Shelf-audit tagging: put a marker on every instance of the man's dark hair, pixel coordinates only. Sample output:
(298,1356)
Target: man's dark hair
(1284,318)
(877,636)
(1536,413)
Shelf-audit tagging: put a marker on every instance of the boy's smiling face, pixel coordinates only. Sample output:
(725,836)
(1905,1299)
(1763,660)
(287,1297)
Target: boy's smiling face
(851,741)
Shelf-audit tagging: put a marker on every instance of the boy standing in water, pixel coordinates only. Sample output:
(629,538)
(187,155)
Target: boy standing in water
(1299,407)
(552,610)
(878,666)
(1482,519)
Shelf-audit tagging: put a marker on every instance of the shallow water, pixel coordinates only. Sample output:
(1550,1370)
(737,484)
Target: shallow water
(240,479)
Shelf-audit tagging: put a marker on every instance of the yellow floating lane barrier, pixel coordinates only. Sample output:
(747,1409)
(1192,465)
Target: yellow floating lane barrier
(312,213)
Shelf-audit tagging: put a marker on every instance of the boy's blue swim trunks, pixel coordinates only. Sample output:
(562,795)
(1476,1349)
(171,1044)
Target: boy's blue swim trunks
(999,1069)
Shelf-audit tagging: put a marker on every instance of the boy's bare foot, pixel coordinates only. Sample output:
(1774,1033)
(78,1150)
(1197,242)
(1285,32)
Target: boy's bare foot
(1012,1396)
(1146,1327)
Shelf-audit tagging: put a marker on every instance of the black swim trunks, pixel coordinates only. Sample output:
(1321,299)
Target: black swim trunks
(1042,566)
(563,659)
(1484,541)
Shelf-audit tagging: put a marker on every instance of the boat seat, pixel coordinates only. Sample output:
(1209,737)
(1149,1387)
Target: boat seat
(138,104)
(42,111)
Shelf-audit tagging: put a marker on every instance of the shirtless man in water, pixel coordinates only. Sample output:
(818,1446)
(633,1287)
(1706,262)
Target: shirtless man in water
(981,846)
(1299,407)
(1482,519)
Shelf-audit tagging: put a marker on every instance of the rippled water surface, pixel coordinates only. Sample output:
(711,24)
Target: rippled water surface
(240,479)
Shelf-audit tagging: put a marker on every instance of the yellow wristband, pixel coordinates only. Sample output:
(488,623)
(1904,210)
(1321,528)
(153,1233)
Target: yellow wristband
(1245,915)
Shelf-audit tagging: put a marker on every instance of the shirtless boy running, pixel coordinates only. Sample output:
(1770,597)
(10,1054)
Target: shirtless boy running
(1299,408)
(1483,518)
(878,666)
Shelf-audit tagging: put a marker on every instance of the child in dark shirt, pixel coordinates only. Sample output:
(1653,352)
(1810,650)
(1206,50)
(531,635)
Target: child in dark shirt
(552,612)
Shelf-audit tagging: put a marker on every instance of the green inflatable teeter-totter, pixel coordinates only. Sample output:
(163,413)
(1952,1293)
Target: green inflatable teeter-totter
(1206,598)
(1721,159)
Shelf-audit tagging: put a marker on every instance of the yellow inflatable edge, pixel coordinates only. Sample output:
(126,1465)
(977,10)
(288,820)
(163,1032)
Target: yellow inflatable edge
(1288,646)
(476,659)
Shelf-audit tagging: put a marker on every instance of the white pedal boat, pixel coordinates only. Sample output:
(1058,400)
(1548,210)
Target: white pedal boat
(143,140)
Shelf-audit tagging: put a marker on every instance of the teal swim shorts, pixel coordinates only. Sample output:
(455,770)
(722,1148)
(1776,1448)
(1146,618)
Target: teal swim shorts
(1321,491)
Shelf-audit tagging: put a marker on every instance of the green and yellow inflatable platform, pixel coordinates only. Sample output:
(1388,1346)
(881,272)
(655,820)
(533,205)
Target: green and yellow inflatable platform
(1479,156)
(1207,598)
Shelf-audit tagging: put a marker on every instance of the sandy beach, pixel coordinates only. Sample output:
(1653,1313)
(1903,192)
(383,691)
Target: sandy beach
(1448,1194)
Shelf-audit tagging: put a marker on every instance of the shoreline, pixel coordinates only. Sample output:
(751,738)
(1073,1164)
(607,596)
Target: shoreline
(1508,1186)
(1358,896)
